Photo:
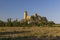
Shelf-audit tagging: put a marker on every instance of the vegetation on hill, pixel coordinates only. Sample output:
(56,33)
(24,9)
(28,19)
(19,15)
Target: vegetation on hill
(34,20)
(23,23)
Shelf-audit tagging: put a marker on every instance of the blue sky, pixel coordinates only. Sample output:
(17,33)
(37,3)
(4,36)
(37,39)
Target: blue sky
(15,9)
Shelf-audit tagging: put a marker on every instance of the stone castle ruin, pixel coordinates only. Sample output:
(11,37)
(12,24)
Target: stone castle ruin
(34,18)
(26,17)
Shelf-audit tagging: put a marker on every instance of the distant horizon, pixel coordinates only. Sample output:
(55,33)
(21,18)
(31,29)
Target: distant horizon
(15,9)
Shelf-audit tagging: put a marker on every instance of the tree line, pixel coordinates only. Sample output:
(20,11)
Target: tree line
(17,23)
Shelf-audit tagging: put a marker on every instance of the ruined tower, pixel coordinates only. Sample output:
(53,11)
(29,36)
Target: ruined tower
(25,14)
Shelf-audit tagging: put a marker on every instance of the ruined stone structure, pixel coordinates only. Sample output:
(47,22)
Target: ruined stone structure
(34,18)
(26,17)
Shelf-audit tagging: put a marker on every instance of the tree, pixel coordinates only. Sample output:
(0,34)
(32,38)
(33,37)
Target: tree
(51,23)
(9,23)
(15,23)
(2,24)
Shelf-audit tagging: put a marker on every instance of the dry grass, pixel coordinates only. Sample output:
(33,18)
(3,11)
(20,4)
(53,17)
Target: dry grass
(33,31)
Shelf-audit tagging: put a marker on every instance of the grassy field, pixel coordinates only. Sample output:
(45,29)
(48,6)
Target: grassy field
(29,31)
(13,32)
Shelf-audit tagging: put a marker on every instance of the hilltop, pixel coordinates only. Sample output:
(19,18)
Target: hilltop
(33,20)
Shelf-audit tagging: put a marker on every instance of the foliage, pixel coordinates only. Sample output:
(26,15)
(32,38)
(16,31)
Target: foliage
(9,23)
(24,23)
